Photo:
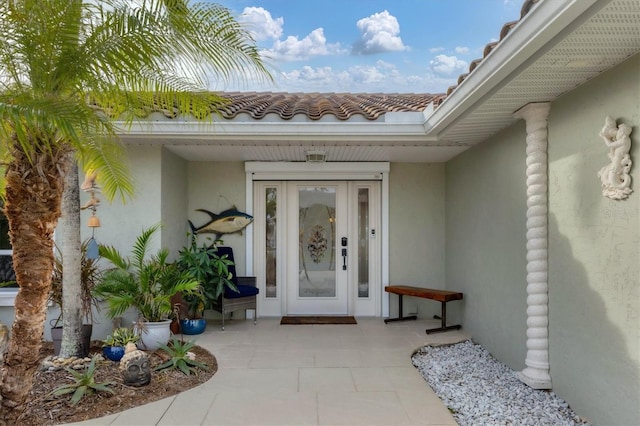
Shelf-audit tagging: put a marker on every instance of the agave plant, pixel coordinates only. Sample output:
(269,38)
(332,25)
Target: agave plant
(143,282)
(84,384)
(180,357)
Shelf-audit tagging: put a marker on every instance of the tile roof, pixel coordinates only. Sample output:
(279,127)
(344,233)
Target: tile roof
(317,105)
(343,106)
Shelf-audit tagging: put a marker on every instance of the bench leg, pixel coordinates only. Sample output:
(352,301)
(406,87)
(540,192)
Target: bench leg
(400,317)
(443,323)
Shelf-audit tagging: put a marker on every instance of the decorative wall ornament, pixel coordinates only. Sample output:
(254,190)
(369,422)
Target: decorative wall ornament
(227,222)
(615,178)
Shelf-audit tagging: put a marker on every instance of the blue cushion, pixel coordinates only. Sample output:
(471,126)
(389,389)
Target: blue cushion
(244,291)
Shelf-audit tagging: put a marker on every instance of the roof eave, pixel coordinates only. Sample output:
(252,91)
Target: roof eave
(282,131)
(544,23)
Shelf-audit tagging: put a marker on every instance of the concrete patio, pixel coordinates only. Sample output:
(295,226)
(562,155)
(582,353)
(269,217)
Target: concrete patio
(272,374)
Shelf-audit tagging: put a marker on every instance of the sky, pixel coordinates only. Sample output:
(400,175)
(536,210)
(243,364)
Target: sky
(368,46)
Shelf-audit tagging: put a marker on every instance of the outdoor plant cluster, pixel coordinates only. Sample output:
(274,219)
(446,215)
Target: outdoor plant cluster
(147,283)
(84,382)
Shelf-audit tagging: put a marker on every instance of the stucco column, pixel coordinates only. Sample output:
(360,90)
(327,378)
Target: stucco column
(536,375)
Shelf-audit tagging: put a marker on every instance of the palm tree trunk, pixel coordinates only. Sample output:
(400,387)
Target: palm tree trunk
(34,187)
(70,248)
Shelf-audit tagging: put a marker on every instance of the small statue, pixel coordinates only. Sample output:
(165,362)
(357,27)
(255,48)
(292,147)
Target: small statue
(615,178)
(135,366)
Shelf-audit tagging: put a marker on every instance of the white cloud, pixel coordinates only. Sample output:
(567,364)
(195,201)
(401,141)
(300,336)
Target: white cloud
(436,49)
(259,21)
(380,77)
(294,49)
(462,50)
(380,32)
(443,64)
(308,73)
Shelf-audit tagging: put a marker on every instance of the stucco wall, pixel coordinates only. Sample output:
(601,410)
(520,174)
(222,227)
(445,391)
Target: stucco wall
(593,250)
(217,187)
(486,243)
(123,223)
(174,202)
(416,232)
(594,256)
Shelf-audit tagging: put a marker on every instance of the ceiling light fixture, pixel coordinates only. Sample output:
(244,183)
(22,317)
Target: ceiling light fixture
(316,157)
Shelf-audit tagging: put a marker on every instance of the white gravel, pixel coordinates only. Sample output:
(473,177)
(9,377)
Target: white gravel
(479,390)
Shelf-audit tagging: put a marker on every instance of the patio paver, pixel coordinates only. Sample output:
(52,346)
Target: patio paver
(272,374)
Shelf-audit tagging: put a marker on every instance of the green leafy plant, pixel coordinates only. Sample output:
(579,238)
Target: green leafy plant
(202,263)
(90,275)
(120,337)
(84,384)
(180,358)
(143,282)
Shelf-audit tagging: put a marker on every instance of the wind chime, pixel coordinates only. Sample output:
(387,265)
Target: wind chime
(89,185)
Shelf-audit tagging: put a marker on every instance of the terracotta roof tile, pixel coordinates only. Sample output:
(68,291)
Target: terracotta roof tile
(315,106)
(506,29)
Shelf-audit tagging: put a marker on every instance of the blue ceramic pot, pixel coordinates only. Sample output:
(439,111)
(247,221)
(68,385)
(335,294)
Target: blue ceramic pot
(114,353)
(193,326)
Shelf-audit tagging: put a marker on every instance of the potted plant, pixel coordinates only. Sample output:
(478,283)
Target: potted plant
(202,263)
(191,317)
(90,275)
(113,346)
(146,283)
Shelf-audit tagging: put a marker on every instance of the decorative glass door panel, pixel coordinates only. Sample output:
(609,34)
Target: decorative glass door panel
(316,226)
(318,269)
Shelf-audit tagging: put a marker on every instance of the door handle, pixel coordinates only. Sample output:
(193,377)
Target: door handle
(344,259)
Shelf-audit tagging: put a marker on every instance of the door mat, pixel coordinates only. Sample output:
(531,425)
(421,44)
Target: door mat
(318,319)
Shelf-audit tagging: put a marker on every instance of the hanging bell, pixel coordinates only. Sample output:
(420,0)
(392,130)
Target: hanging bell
(94,222)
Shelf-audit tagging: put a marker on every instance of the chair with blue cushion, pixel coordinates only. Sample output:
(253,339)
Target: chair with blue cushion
(245,298)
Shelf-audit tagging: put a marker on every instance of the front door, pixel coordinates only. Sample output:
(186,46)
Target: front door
(317,248)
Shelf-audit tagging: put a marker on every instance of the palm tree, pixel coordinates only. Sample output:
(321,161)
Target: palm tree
(66,68)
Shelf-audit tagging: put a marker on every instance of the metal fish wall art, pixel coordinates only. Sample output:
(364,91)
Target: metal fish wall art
(227,222)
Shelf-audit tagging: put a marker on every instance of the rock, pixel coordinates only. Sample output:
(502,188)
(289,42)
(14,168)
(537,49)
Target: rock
(478,389)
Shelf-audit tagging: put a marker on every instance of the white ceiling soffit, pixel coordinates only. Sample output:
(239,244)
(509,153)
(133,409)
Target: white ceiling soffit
(559,45)
(393,140)
(297,152)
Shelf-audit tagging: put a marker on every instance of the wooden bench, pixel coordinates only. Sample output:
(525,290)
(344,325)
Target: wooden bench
(442,296)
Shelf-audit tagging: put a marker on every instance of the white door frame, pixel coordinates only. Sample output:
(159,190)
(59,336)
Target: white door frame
(278,171)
